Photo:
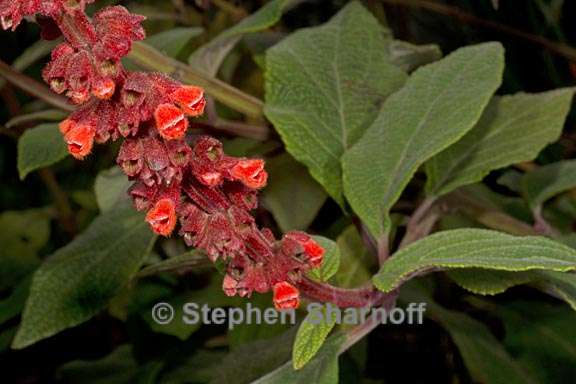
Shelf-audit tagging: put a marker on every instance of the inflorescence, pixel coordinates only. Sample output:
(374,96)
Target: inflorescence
(177,179)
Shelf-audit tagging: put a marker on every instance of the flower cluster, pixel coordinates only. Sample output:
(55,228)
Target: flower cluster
(178,179)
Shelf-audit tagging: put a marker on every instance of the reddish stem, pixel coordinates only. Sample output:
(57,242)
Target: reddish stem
(342,297)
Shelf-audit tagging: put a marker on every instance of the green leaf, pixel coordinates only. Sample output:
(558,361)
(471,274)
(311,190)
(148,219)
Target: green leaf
(251,361)
(77,281)
(292,195)
(119,367)
(474,248)
(409,56)
(324,87)
(209,57)
(487,282)
(13,305)
(23,234)
(355,262)
(437,106)
(172,41)
(547,181)
(323,369)
(110,188)
(312,334)
(330,263)
(542,337)
(40,147)
(485,357)
(561,283)
(495,143)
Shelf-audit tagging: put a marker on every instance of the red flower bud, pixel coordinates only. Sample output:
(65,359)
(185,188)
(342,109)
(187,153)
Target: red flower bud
(162,217)
(103,88)
(286,296)
(250,172)
(80,139)
(170,121)
(190,99)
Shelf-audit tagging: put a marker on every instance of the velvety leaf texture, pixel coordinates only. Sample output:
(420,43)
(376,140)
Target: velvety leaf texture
(40,147)
(311,336)
(78,280)
(474,248)
(545,182)
(512,129)
(110,187)
(325,86)
(437,106)
(209,57)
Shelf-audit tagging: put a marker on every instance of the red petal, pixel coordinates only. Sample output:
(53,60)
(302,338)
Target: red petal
(80,139)
(190,99)
(162,217)
(170,121)
(286,296)
(250,172)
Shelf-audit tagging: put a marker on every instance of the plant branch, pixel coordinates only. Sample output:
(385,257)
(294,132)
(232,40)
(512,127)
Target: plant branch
(464,17)
(33,87)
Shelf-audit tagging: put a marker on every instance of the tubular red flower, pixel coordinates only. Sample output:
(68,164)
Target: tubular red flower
(170,121)
(250,172)
(315,253)
(103,88)
(80,139)
(190,99)
(286,296)
(162,217)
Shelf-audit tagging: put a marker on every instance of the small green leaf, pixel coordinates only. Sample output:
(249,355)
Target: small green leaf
(547,181)
(77,281)
(324,87)
(561,283)
(474,248)
(494,142)
(40,147)
(111,187)
(312,334)
(292,195)
(330,263)
(437,106)
(172,41)
(209,57)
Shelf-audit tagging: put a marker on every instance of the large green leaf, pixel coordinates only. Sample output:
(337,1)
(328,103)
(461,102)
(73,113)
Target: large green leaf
(474,248)
(356,260)
(292,195)
(78,280)
(40,147)
(311,335)
(545,182)
(512,129)
(485,357)
(209,57)
(324,87)
(437,106)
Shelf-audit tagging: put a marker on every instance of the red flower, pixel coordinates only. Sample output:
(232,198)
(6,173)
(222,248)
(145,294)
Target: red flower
(80,139)
(103,88)
(315,253)
(162,217)
(170,121)
(66,125)
(286,296)
(190,99)
(250,172)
